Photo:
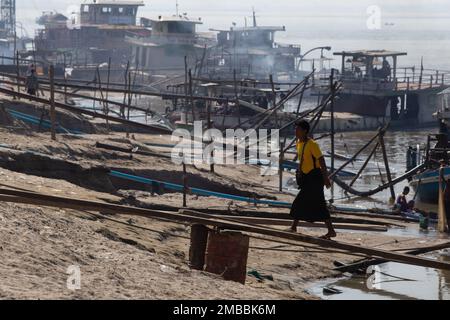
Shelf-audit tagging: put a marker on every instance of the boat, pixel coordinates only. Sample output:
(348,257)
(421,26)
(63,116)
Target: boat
(251,51)
(375,87)
(426,184)
(89,38)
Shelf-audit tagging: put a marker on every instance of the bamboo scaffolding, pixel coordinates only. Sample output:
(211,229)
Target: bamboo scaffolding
(150,128)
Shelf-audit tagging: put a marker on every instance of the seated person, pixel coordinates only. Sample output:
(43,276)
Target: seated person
(402,204)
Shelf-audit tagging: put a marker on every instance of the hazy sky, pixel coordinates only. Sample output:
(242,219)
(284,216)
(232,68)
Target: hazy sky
(419,27)
(29,9)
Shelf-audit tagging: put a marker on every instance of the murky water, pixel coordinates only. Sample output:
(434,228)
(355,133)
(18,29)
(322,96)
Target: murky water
(397,143)
(421,283)
(392,281)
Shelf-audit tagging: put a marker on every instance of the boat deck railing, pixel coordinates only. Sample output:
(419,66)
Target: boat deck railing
(405,80)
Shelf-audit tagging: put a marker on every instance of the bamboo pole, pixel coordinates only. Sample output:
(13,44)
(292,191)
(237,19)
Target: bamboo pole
(211,167)
(386,164)
(18,73)
(442,221)
(122,109)
(280,169)
(274,98)
(191,95)
(372,153)
(88,112)
(236,96)
(108,80)
(162,95)
(52,102)
(380,131)
(185,185)
(65,78)
(332,90)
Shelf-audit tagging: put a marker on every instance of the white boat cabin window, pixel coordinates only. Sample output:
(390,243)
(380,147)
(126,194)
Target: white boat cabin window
(86,8)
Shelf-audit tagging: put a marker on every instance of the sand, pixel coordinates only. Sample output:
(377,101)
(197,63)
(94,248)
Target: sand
(121,261)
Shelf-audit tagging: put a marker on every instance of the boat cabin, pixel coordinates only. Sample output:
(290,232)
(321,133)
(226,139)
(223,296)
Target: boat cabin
(369,64)
(176,29)
(110,12)
(252,51)
(171,39)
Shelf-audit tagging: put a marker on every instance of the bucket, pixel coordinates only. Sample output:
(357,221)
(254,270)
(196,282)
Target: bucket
(227,255)
(199,240)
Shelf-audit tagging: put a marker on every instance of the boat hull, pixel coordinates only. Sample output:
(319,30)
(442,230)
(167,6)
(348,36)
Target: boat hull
(426,184)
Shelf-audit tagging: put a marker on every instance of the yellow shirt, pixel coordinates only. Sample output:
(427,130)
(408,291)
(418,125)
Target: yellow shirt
(312,150)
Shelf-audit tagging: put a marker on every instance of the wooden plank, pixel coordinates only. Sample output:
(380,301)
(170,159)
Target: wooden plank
(284,222)
(279,215)
(372,215)
(354,267)
(62,202)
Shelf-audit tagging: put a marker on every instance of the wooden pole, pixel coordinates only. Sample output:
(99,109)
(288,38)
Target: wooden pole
(125,91)
(65,78)
(18,73)
(364,165)
(108,80)
(122,109)
(333,92)
(87,112)
(274,98)
(185,184)
(281,166)
(238,105)
(380,132)
(212,168)
(186,75)
(191,95)
(386,164)
(52,102)
(442,217)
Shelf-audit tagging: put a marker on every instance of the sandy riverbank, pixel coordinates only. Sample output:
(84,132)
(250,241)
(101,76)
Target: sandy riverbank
(122,261)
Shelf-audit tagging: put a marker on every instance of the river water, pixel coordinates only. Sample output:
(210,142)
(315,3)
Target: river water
(397,142)
(393,281)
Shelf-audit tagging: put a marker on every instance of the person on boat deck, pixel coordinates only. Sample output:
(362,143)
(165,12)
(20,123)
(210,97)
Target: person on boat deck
(312,177)
(402,203)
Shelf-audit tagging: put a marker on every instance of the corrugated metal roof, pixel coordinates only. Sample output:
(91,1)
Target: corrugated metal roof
(371,53)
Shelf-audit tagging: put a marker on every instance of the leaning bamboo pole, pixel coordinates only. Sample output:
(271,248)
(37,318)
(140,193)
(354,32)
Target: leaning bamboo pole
(156,129)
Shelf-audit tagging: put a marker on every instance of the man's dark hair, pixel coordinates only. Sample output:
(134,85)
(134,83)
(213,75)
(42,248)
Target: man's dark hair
(407,189)
(304,125)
